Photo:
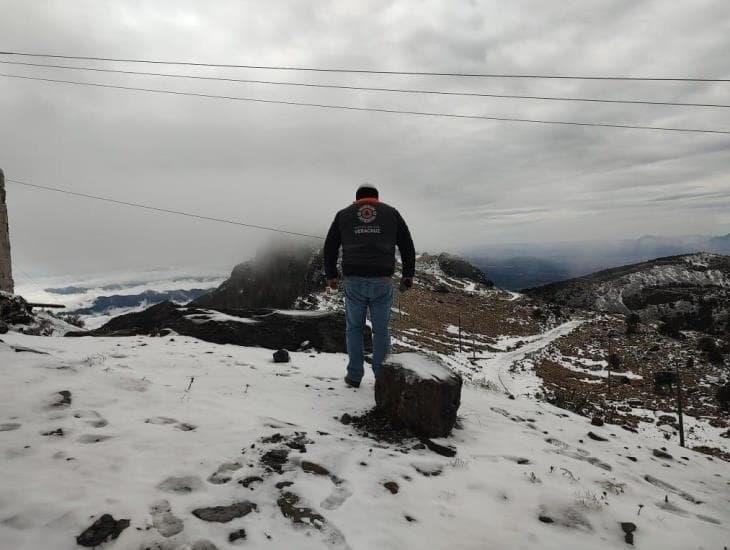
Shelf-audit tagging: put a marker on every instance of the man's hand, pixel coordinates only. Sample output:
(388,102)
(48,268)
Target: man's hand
(332,283)
(406,283)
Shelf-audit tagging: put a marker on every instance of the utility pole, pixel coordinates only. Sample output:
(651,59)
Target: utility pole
(690,364)
(6,272)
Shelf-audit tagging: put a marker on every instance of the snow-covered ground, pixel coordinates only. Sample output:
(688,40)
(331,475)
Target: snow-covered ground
(151,419)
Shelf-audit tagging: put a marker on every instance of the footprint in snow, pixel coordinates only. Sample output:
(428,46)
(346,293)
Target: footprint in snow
(224,473)
(160,420)
(9,427)
(91,438)
(164,420)
(181,484)
(339,495)
(167,524)
(92,418)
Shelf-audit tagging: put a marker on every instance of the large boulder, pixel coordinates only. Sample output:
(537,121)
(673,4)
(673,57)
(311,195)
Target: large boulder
(273,329)
(419,393)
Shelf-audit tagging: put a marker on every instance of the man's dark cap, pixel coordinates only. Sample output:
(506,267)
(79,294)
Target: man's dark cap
(366,191)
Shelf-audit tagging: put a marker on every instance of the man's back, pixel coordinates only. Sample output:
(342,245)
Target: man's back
(368,231)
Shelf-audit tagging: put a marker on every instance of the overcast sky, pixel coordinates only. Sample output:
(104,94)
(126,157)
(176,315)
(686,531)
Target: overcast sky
(457,182)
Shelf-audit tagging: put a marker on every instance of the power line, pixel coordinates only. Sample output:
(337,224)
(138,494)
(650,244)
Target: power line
(369,88)
(30,279)
(376,109)
(164,210)
(368,71)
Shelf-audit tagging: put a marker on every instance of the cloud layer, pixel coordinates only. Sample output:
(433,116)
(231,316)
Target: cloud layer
(459,183)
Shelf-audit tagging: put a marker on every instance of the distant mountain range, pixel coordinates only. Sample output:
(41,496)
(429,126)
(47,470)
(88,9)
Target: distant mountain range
(107,304)
(518,266)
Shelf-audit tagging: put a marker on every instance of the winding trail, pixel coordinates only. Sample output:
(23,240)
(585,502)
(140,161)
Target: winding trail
(499,361)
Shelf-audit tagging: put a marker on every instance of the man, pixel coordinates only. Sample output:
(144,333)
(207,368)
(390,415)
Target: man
(368,231)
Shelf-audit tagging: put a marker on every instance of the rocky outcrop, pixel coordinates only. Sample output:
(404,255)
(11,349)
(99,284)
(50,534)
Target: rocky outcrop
(274,279)
(686,292)
(420,394)
(458,268)
(14,310)
(272,329)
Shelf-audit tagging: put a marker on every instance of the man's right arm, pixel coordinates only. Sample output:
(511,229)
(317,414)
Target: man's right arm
(332,250)
(407,251)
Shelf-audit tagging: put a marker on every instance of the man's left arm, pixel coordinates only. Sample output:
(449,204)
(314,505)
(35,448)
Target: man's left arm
(407,251)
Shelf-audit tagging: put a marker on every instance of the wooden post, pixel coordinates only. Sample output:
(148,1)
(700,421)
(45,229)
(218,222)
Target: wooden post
(460,333)
(690,364)
(6,272)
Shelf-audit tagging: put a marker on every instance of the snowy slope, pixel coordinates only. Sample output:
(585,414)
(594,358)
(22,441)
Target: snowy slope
(132,425)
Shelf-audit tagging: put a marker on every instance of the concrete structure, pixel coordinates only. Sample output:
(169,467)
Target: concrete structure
(6,272)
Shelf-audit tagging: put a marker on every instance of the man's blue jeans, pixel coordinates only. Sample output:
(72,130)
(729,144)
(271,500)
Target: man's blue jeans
(363,294)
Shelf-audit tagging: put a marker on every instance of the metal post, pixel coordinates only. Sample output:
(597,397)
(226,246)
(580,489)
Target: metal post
(690,364)
(6,272)
(460,333)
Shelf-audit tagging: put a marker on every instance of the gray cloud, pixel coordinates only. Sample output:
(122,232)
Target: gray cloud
(459,183)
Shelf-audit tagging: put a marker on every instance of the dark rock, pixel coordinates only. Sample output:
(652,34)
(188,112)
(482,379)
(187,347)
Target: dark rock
(546,519)
(275,438)
(596,437)
(376,424)
(723,396)
(597,421)
(428,470)
(297,446)
(63,399)
(312,468)
(237,535)
(346,419)
(14,310)
(441,288)
(251,479)
(662,454)
(270,329)
(281,356)
(420,394)
(224,514)
(392,486)
(409,519)
(628,529)
(3,327)
(103,529)
(443,450)
(632,458)
(275,459)
(288,504)
(57,433)
(282,484)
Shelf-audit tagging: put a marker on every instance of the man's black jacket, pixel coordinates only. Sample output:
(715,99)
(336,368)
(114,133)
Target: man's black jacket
(368,231)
